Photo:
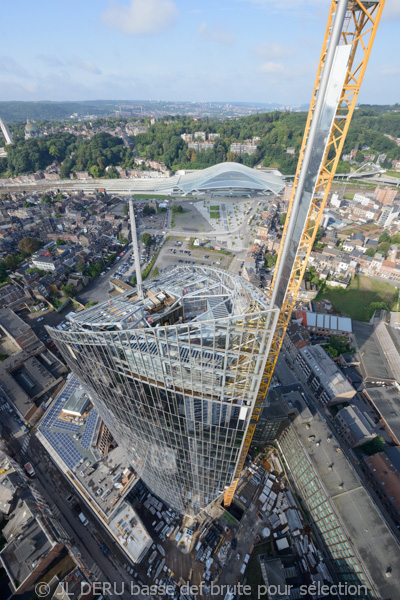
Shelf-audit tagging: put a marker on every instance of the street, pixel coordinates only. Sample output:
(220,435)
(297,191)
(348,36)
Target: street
(52,486)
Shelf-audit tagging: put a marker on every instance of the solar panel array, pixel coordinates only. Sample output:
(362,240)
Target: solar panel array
(59,432)
(64,446)
(89,429)
(52,414)
(67,426)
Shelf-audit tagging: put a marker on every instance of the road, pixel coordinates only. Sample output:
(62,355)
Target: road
(97,290)
(52,486)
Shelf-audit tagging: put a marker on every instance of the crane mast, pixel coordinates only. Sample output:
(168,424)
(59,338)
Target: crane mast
(349,36)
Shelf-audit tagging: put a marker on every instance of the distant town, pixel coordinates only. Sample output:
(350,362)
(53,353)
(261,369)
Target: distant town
(320,485)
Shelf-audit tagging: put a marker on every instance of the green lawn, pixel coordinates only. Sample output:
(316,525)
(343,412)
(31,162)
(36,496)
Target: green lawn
(355,300)
(393,173)
(214,214)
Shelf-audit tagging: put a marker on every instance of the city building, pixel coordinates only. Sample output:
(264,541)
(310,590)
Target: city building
(384,471)
(200,146)
(240,148)
(385,196)
(328,383)
(17,331)
(336,201)
(44,263)
(31,131)
(27,380)
(324,324)
(377,346)
(296,337)
(354,427)
(175,376)
(272,420)
(228,179)
(386,401)
(389,214)
(81,446)
(340,509)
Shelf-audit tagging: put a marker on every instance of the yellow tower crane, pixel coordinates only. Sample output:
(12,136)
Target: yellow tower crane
(349,36)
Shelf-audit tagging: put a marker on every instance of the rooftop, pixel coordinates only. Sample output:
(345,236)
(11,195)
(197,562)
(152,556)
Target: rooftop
(380,361)
(356,421)
(387,402)
(361,520)
(25,379)
(326,370)
(73,442)
(12,323)
(326,321)
(130,531)
(189,293)
(227,176)
(27,544)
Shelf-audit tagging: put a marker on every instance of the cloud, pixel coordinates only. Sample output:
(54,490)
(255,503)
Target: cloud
(10,66)
(273,50)
(214,34)
(391,70)
(51,60)
(391,10)
(86,65)
(141,17)
(271,67)
(287,5)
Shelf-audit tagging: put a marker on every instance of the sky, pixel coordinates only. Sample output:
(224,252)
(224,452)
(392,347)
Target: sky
(184,50)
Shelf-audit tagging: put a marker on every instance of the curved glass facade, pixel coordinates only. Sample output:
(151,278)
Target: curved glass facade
(175,376)
(230,177)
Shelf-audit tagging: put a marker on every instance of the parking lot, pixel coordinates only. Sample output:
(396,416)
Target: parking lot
(176,252)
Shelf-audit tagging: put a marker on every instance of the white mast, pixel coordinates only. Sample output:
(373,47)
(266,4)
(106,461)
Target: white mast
(139,283)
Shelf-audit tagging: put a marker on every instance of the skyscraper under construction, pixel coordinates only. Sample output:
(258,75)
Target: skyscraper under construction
(175,376)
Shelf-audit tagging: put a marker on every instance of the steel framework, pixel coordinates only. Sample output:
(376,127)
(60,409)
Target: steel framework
(354,23)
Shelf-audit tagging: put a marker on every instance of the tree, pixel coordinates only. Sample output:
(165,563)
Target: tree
(60,242)
(11,261)
(384,237)
(376,306)
(3,271)
(359,157)
(29,245)
(45,199)
(69,290)
(126,209)
(370,252)
(80,266)
(270,260)
(155,273)
(331,351)
(383,248)
(177,208)
(282,219)
(148,210)
(146,239)
(374,446)
(95,171)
